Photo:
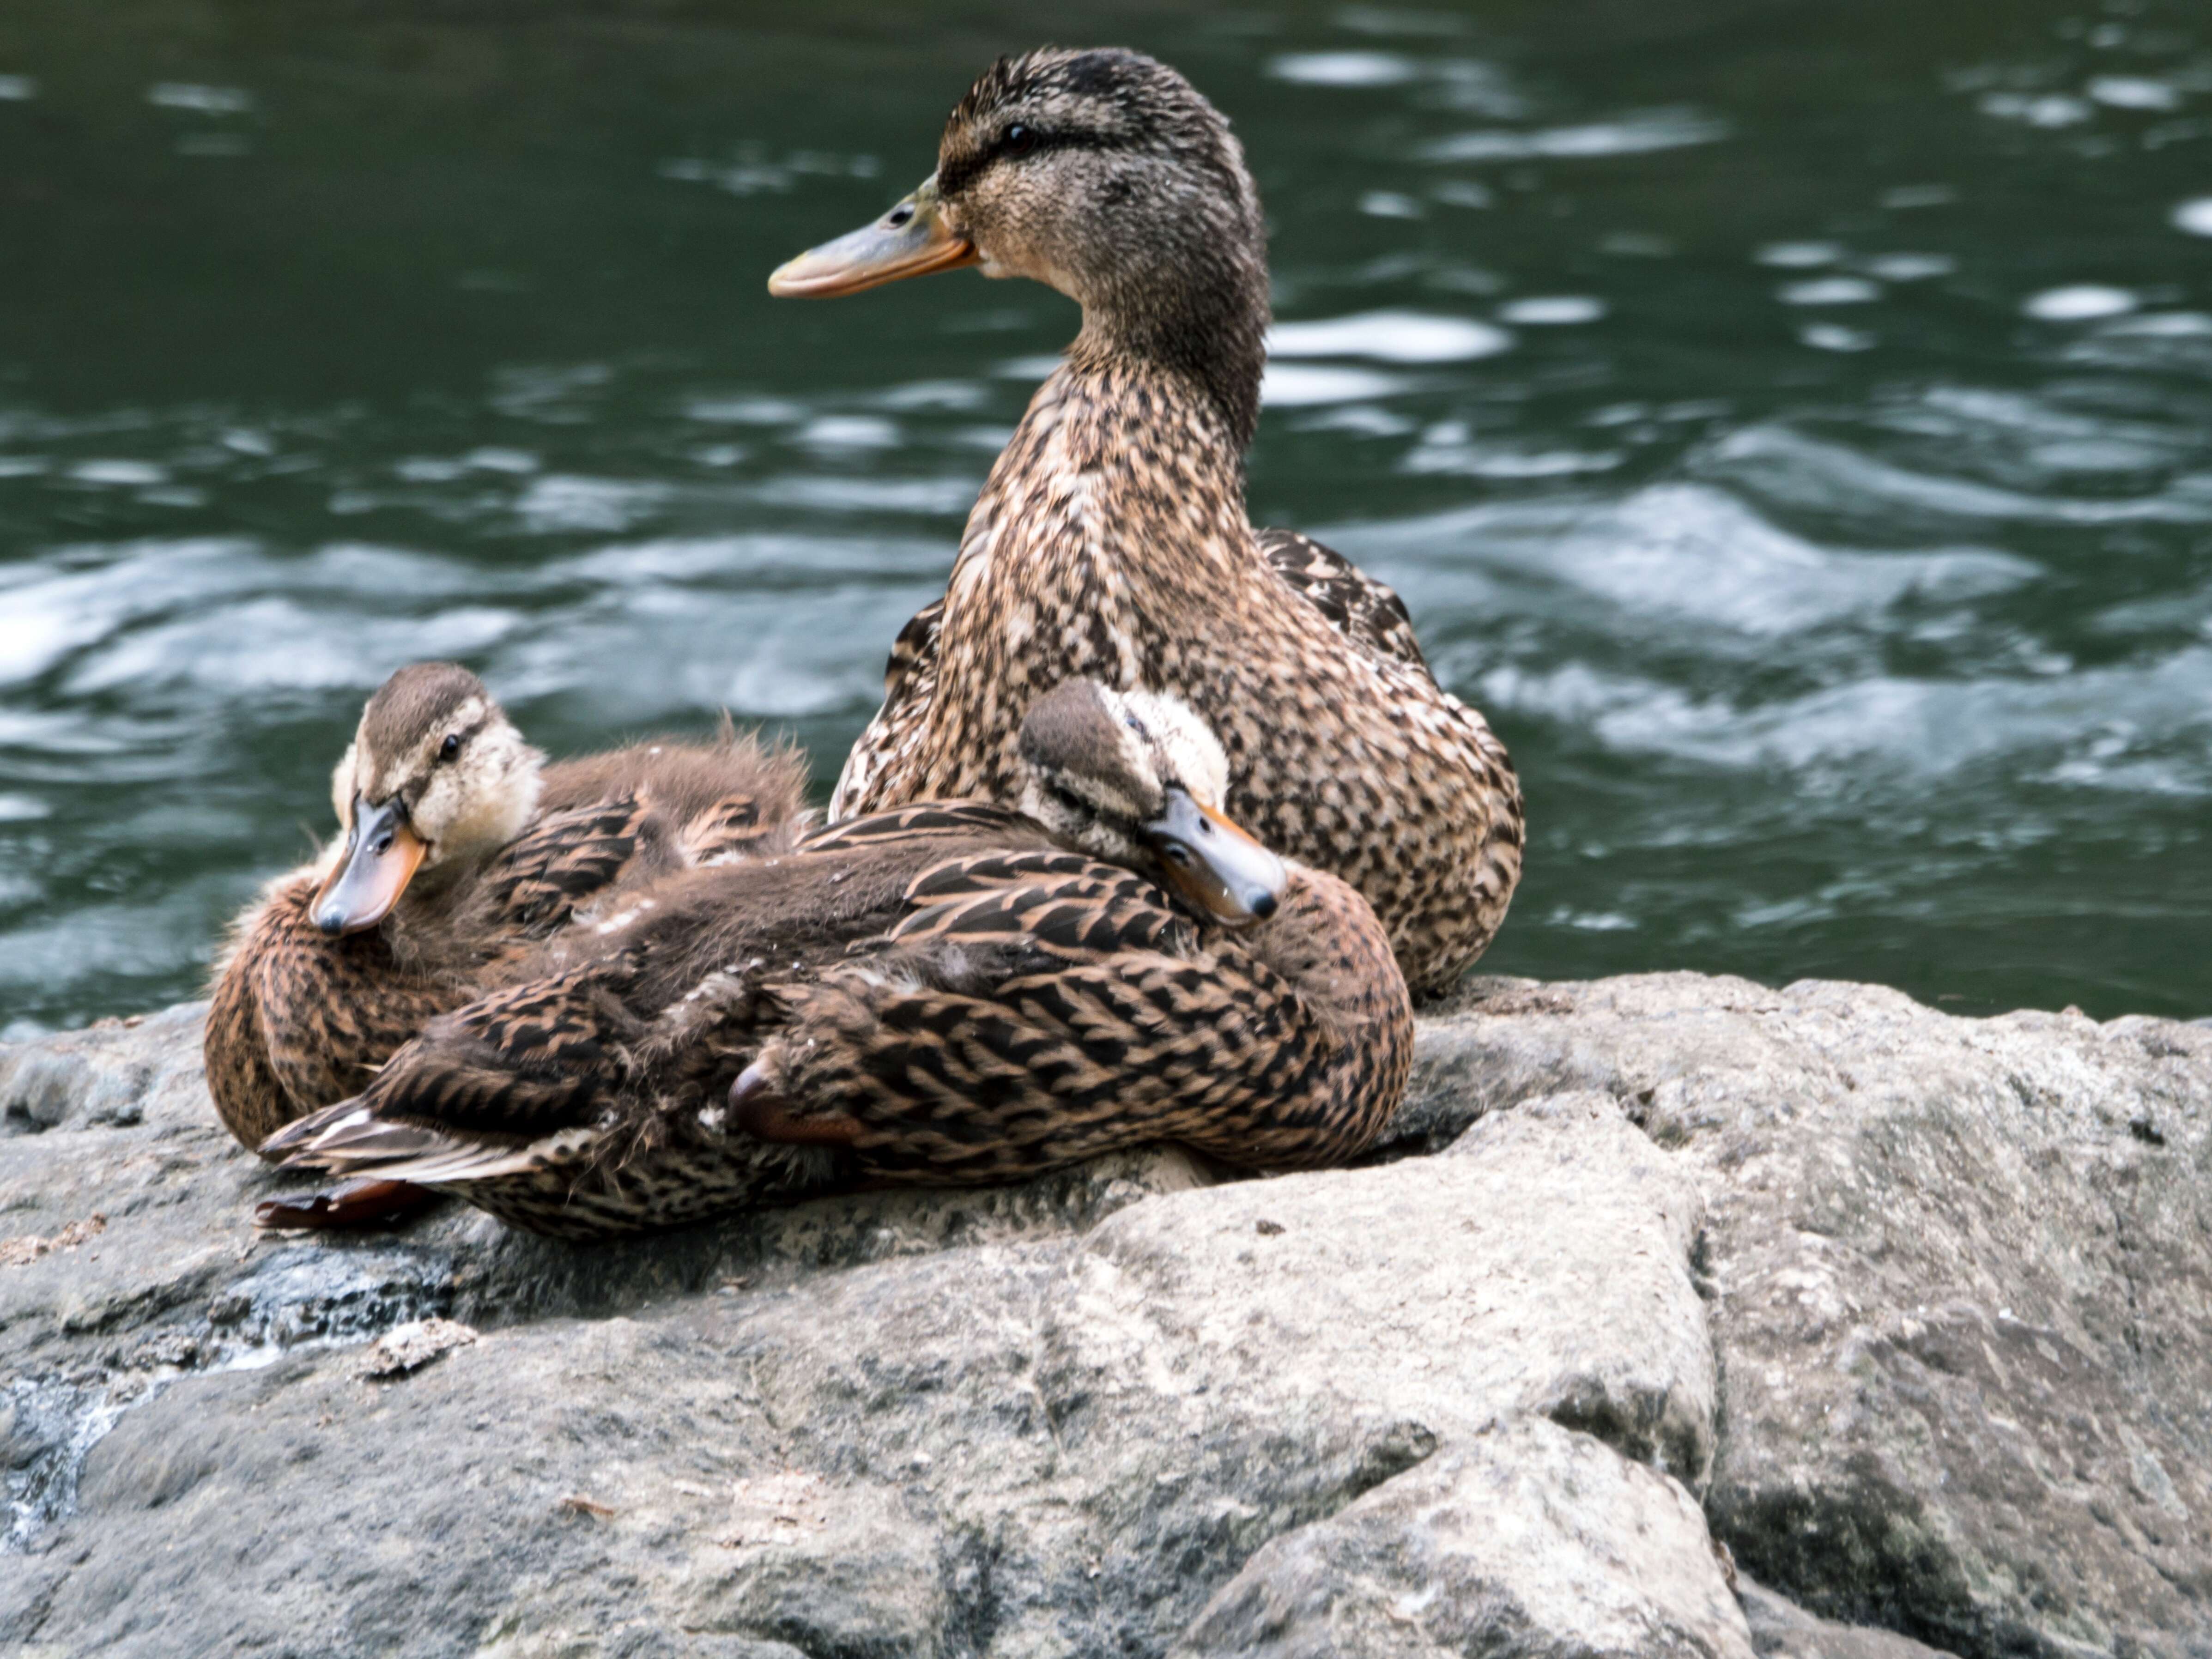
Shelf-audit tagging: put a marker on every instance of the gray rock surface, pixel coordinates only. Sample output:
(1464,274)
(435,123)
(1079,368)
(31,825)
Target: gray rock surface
(1523,1539)
(1780,1629)
(1905,1310)
(1960,1274)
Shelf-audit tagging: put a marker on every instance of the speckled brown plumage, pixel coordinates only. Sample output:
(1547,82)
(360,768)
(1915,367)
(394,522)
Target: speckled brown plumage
(300,1018)
(1111,539)
(297,1019)
(947,991)
(1365,611)
(1114,1019)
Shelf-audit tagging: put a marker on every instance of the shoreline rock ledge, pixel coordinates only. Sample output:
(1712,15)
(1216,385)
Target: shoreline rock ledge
(1678,1315)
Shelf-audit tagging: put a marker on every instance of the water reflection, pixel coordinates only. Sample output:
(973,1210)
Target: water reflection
(1799,446)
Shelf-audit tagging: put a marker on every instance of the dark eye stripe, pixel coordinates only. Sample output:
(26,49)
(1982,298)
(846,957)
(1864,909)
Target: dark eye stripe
(957,175)
(464,732)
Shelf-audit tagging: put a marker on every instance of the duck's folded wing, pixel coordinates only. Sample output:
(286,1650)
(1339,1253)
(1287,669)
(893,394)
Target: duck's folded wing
(569,859)
(489,1081)
(737,826)
(1073,907)
(349,1139)
(1364,611)
(736,798)
(946,820)
(564,860)
(909,683)
(1038,1009)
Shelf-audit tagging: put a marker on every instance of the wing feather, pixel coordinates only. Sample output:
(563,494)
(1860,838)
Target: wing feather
(560,863)
(1364,611)
(943,819)
(909,684)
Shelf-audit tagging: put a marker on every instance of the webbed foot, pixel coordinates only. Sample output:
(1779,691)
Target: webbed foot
(358,1203)
(756,1108)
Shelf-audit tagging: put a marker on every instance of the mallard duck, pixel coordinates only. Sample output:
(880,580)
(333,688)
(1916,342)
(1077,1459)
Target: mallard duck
(956,992)
(1111,538)
(461,847)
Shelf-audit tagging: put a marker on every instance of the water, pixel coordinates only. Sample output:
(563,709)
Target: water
(1792,423)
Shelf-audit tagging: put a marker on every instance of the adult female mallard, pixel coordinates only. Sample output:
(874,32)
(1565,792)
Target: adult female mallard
(462,847)
(1111,538)
(946,993)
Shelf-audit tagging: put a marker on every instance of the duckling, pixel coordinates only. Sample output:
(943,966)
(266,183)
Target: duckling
(461,847)
(1111,538)
(949,992)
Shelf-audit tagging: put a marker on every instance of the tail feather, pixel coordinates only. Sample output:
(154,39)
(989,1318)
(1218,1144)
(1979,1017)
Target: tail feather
(459,1161)
(362,1138)
(301,1130)
(349,1138)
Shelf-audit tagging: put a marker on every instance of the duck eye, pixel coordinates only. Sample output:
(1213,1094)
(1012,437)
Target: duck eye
(1020,140)
(451,747)
(1135,725)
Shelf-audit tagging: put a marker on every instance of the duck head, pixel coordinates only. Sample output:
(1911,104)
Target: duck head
(1104,175)
(435,779)
(1136,778)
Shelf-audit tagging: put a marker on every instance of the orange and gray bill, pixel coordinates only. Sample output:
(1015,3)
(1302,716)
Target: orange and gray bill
(1214,864)
(912,240)
(381,858)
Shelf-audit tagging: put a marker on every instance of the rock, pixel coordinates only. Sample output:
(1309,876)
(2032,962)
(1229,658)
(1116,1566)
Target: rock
(1525,1540)
(107,1074)
(1442,1291)
(1905,1308)
(1960,1272)
(26,1247)
(1780,1629)
(409,1347)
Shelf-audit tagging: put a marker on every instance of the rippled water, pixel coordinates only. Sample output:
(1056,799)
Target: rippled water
(1793,424)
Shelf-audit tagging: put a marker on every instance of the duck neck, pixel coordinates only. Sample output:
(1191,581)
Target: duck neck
(1207,328)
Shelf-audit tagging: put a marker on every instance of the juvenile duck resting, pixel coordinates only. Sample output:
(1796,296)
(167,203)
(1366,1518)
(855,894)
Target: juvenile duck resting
(948,992)
(461,848)
(1111,538)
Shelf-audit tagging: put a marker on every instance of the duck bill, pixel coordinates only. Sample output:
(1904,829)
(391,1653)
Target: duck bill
(381,858)
(1215,865)
(912,240)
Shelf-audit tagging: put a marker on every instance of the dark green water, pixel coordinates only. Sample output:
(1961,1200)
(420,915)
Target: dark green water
(1792,423)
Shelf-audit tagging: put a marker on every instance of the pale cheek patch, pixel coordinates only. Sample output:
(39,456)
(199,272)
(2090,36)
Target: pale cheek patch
(1198,758)
(512,800)
(1193,752)
(441,815)
(1136,759)
(341,784)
